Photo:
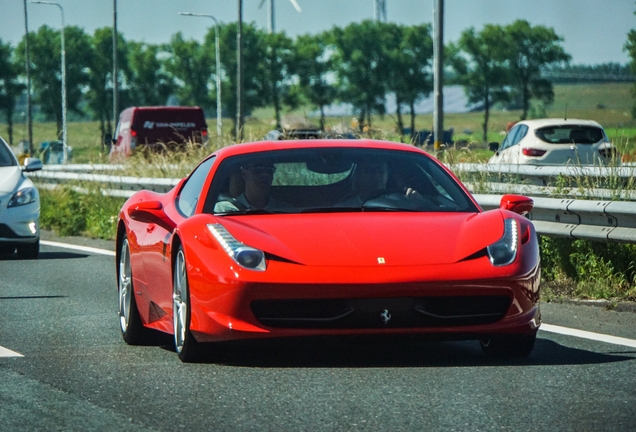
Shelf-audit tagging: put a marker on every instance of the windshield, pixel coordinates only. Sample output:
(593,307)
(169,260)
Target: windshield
(333,180)
(6,157)
(571,134)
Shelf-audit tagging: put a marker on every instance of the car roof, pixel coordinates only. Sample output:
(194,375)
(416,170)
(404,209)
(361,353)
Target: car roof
(538,123)
(261,146)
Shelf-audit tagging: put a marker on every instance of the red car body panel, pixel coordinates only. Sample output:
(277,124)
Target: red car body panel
(372,257)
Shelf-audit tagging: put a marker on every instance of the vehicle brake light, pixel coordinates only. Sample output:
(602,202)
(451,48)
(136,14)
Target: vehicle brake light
(204,132)
(533,152)
(133,133)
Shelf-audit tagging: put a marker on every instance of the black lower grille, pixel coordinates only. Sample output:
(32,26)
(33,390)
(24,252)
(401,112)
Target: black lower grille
(6,232)
(382,313)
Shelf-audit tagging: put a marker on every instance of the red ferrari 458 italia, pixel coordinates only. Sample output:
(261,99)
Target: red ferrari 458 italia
(326,237)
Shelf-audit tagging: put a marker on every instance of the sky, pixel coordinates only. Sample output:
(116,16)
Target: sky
(594,31)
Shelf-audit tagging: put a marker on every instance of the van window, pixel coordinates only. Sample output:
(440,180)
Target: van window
(191,190)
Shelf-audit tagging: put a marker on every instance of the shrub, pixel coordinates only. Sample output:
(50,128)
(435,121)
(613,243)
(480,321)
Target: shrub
(72,213)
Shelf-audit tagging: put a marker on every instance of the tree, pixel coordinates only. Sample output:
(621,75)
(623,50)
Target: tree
(361,67)
(190,64)
(529,49)
(312,64)
(100,86)
(479,62)
(409,51)
(630,47)
(10,88)
(46,74)
(148,82)
(255,86)
(280,53)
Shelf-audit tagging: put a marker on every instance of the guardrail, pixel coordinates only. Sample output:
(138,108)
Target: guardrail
(545,174)
(611,221)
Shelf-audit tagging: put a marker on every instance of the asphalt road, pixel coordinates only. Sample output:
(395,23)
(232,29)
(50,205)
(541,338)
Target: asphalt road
(75,373)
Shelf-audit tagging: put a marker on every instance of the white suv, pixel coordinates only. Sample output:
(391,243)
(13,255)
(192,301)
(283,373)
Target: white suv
(555,142)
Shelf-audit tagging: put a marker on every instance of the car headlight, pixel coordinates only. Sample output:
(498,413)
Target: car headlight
(504,250)
(244,255)
(23,197)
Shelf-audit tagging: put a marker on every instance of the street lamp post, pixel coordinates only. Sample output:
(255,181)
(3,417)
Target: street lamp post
(64,129)
(115,72)
(28,79)
(239,74)
(219,123)
(438,74)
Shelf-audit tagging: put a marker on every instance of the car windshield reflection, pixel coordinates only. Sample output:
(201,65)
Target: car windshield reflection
(333,180)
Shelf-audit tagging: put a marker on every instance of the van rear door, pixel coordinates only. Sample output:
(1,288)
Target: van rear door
(169,125)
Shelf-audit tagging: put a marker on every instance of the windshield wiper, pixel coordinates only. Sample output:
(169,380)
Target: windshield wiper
(331,210)
(388,209)
(246,212)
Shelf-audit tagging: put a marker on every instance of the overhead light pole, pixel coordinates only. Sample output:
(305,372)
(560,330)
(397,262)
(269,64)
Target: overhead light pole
(28,79)
(438,74)
(239,74)
(64,129)
(219,122)
(115,71)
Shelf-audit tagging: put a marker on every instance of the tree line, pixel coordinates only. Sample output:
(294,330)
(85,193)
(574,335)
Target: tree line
(360,64)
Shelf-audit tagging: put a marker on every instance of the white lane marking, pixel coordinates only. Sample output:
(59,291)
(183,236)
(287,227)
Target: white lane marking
(588,335)
(78,247)
(8,353)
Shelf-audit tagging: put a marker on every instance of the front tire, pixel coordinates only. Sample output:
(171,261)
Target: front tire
(132,330)
(186,346)
(510,346)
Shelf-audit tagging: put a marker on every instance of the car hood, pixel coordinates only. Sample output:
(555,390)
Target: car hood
(9,178)
(369,239)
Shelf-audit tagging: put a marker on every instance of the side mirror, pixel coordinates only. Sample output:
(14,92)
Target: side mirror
(519,204)
(151,212)
(32,164)
(493,146)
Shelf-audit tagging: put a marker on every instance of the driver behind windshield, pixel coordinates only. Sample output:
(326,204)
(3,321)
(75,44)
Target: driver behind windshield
(258,177)
(370,181)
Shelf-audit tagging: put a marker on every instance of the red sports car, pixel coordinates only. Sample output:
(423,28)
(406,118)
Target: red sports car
(326,237)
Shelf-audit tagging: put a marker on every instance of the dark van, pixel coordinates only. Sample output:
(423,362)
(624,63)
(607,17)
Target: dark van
(158,128)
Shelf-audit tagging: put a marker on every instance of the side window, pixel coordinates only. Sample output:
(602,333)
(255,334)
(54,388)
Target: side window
(191,190)
(507,142)
(523,130)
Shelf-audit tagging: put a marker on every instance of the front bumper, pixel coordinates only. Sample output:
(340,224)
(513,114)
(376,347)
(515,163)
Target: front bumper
(20,224)
(447,310)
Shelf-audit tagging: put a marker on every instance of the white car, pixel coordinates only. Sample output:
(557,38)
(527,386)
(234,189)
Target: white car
(19,205)
(555,142)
